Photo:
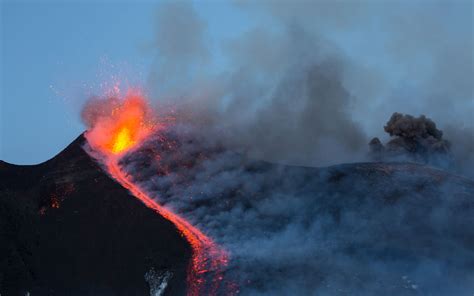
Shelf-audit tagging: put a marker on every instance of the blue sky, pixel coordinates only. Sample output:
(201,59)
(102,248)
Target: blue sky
(406,56)
(55,54)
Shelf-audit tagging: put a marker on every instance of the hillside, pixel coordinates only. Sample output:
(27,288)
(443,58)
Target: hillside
(66,228)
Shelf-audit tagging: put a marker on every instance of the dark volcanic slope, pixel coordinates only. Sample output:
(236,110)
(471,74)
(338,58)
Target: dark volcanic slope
(350,229)
(66,228)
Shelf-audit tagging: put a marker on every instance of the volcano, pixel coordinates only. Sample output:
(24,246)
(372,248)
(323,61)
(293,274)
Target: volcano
(69,228)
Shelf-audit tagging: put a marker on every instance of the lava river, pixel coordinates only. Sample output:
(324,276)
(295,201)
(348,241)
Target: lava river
(115,125)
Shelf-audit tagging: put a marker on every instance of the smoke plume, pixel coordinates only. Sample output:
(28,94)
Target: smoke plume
(413,139)
(299,86)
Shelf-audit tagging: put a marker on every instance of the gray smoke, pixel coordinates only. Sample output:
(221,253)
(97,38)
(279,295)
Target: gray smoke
(363,229)
(97,108)
(413,139)
(287,104)
(462,138)
(305,84)
(308,80)
(407,126)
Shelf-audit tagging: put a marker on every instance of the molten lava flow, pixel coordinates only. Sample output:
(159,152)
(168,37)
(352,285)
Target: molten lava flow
(116,126)
(207,259)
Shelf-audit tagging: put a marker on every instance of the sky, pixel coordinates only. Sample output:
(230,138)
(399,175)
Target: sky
(54,55)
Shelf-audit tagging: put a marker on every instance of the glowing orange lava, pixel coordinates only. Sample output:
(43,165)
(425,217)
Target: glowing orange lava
(122,140)
(208,258)
(116,126)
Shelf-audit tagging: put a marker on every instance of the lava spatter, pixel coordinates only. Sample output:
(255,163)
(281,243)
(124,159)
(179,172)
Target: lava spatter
(116,125)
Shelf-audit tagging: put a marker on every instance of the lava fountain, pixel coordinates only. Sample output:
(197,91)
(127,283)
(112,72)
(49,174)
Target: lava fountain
(118,124)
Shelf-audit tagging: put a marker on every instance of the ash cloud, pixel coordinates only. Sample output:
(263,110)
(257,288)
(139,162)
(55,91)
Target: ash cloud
(305,119)
(410,127)
(287,103)
(299,86)
(413,139)
(181,45)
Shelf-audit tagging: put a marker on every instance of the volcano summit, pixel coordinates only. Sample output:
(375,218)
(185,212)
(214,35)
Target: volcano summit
(66,228)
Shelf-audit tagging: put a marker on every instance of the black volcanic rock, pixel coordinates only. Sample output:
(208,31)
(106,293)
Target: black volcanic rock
(67,228)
